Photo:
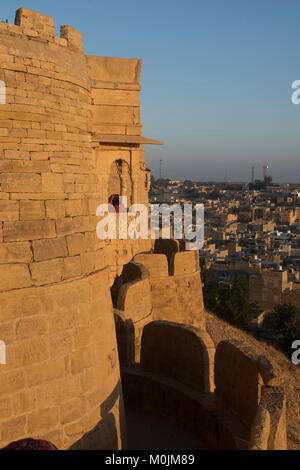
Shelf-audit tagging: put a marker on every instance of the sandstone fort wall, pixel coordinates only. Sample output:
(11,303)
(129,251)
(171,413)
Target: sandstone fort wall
(62,373)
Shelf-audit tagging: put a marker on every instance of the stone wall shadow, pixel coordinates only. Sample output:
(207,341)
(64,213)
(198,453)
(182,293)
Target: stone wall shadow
(104,436)
(125,332)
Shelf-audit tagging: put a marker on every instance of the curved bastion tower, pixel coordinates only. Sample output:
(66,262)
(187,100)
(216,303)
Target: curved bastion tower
(88,324)
(70,135)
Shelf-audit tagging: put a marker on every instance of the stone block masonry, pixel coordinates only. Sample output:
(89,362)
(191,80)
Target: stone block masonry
(53,171)
(60,367)
(62,379)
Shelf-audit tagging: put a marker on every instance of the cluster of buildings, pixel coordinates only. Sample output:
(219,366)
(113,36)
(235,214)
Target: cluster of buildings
(249,234)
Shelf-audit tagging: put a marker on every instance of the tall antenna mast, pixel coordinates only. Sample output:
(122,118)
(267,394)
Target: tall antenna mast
(252,174)
(160,169)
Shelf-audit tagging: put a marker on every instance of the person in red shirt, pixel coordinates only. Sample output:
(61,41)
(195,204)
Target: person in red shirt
(114,200)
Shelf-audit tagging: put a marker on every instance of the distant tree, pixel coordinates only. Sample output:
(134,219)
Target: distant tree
(279,318)
(234,306)
(230,303)
(285,321)
(211,290)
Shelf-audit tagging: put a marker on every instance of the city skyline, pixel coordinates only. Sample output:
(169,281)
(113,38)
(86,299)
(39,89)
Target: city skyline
(256,174)
(216,79)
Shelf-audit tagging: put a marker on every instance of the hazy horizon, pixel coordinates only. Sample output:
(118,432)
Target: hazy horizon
(222,181)
(258,176)
(216,79)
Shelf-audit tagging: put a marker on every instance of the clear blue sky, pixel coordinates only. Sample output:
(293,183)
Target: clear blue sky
(216,78)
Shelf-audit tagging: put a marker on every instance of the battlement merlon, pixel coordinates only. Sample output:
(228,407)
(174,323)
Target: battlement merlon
(29,19)
(40,27)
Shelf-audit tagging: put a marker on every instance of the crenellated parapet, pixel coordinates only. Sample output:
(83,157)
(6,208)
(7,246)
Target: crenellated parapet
(229,398)
(39,27)
(176,287)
